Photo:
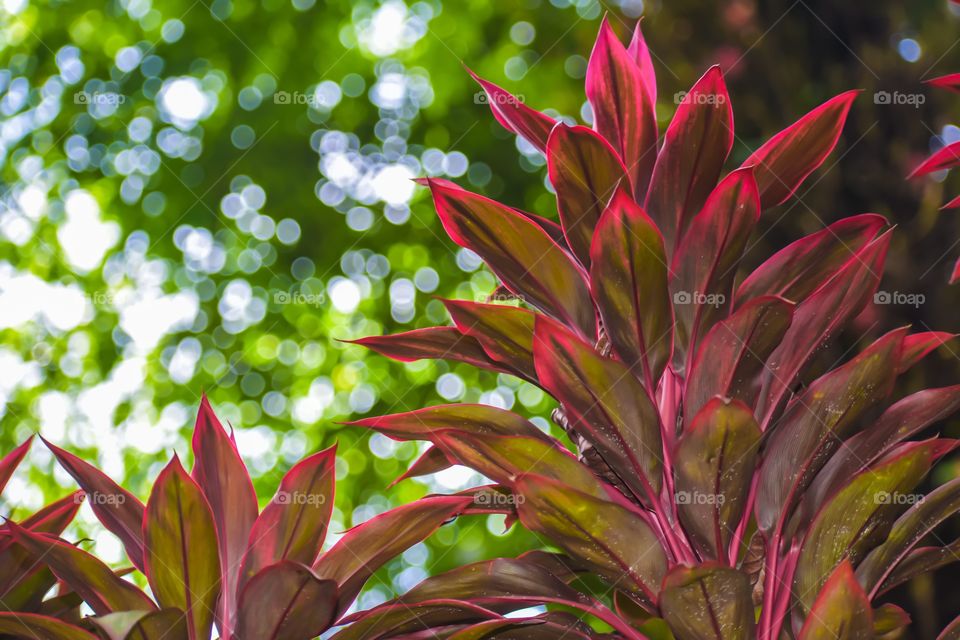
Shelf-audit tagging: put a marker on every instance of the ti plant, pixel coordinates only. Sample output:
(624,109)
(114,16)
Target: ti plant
(729,481)
(24,584)
(210,557)
(945,158)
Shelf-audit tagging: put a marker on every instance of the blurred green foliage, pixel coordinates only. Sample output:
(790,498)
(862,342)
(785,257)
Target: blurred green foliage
(208,195)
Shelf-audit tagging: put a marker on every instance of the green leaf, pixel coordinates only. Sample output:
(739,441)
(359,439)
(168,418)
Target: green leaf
(714,465)
(708,602)
(628,271)
(181,552)
(841,610)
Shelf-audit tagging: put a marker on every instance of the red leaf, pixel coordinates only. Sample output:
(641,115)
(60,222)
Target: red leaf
(585,170)
(629,275)
(223,478)
(529,263)
(294,525)
(286,600)
(366,547)
(694,149)
(31,625)
(785,161)
(430,461)
(504,332)
(446,343)
(480,419)
(952,204)
(623,109)
(732,355)
(918,345)
(800,268)
(841,610)
(706,262)
(11,461)
(93,581)
(180,548)
(122,515)
(515,116)
(950,82)
(819,317)
(607,406)
(947,157)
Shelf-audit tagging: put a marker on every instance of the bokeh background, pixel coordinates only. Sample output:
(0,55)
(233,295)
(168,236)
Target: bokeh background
(209,195)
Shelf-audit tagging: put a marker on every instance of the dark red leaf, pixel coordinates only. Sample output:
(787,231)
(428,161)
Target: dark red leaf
(504,332)
(515,116)
(366,547)
(630,285)
(803,266)
(733,354)
(947,157)
(785,161)
(526,260)
(623,109)
(223,478)
(294,525)
(116,508)
(694,149)
(706,262)
(11,461)
(446,343)
(180,549)
(286,600)
(585,171)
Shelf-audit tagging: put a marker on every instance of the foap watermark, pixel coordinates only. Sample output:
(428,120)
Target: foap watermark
(300,498)
(886,497)
(99,498)
(482,97)
(699,498)
(899,298)
(496,499)
(295,97)
(299,297)
(898,98)
(697,97)
(500,296)
(99,98)
(699,298)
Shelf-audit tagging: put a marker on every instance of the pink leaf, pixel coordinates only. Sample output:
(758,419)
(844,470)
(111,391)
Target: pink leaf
(515,116)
